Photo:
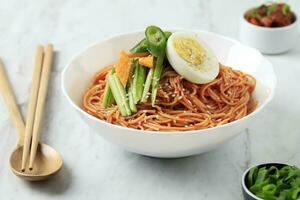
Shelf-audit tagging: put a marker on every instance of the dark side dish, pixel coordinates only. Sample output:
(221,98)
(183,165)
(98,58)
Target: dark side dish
(271,15)
(274,182)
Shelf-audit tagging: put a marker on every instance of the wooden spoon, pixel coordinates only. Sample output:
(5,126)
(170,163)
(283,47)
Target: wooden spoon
(47,161)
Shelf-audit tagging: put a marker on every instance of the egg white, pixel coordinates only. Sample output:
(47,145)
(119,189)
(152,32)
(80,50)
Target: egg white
(203,73)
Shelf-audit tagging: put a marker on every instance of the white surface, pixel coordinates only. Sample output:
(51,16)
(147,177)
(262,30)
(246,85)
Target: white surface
(95,169)
(83,67)
(269,40)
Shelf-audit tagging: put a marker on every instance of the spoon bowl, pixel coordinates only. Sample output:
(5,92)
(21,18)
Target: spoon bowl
(47,163)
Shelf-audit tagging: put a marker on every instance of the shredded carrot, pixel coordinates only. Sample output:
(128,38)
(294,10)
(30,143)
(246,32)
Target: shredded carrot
(123,67)
(146,61)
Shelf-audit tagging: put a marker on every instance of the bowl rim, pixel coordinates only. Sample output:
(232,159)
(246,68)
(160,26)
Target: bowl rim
(191,132)
(245,188)
(271,29)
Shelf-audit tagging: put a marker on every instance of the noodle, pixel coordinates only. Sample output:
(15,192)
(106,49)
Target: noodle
(180,104)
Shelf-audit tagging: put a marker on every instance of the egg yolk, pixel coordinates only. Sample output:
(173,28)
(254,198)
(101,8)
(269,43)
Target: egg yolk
(189,49)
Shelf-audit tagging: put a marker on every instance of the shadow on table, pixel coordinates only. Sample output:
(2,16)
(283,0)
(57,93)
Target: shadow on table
(290,53)
(56,185)
(181,167)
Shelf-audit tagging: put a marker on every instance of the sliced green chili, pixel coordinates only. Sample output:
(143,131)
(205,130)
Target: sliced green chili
(167,34)
(157,47)
(156,40)
(140,47)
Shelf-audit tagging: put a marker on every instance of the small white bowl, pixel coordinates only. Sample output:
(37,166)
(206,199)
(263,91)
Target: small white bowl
(269,40)
(248,195)
(78,74)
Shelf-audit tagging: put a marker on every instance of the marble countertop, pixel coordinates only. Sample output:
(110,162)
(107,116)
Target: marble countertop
(96,169)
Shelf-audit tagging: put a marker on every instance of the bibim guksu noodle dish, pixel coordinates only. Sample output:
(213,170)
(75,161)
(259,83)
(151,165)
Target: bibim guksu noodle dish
(169,82)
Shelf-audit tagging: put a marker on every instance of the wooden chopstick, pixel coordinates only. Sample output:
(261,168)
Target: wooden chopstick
(42,94)
(11,103)
(32,103)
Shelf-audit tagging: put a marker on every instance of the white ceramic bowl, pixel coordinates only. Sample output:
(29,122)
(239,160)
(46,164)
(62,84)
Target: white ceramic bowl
(269,40)
(80,70)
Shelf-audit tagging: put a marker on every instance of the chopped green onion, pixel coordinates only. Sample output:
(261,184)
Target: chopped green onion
(271,9)
(295,193)
(273,183)
(252,176)
(285,9)
(261,176)
(273,172)
(254,13)
(269,189)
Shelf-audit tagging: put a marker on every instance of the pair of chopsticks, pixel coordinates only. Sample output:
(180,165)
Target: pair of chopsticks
(37,99)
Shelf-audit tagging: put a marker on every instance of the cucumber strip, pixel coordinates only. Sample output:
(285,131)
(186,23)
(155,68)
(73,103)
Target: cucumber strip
(119,94)
(123,94)
(108,98)
(138,82)
(132,104)
(131,101)
(156,76)
(147,85)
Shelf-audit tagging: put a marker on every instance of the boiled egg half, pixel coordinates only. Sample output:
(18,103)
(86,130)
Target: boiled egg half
(192,58)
